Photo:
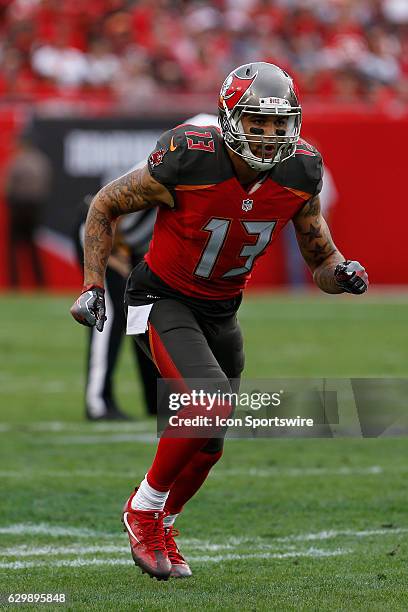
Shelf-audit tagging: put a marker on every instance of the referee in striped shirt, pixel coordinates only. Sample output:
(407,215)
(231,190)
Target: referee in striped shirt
(132,239)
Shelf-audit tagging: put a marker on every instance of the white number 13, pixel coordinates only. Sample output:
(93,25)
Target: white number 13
(218,229)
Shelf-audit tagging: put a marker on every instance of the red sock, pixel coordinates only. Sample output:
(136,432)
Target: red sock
(171,457)
(190,480)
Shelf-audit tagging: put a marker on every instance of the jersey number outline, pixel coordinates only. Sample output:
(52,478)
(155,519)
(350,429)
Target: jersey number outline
(199,141)
(218,229)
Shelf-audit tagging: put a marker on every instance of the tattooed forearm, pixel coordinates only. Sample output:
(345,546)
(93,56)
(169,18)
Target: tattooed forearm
(318,253)
(129,193)
(97,245)
(311,208)
(134,191)
(321,255)
(323,276)
(317,246)
(313,233)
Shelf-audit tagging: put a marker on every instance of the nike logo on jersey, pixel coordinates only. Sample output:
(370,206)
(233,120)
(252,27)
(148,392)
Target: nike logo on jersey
(173,147)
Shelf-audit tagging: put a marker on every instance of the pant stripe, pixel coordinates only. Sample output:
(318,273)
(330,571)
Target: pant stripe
(149,327)
(161,357)
(163,360)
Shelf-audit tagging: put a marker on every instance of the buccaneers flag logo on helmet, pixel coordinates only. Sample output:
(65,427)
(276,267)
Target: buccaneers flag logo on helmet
(233,89)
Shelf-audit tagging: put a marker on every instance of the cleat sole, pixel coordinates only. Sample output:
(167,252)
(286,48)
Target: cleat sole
(146,571)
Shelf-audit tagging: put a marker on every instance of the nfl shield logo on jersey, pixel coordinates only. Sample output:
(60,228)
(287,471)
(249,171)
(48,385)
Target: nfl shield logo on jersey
(247,205)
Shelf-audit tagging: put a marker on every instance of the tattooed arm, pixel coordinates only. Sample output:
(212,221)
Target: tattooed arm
(134,191)
(317,246)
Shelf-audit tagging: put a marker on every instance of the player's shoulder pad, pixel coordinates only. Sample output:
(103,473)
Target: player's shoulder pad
(303,171)
(184,154)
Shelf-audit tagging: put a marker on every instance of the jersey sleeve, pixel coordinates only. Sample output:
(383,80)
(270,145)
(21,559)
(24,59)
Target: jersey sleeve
(186,155)
(312,163)
(166,160)
(302,172)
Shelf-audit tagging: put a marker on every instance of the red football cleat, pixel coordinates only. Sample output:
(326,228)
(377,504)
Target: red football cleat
(147,540)
(179,566)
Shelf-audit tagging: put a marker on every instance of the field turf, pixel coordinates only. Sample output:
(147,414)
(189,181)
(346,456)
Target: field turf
(316,525)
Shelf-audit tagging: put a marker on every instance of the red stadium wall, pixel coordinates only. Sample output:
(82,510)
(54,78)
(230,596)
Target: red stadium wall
(8,129)
(366,158)
(368,216)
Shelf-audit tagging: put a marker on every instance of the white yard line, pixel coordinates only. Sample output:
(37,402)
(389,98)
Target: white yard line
(76,549)
(300,472)
(28,529)
(78,427)
(328,535)
(26,474)
(254,472)
(55,551)
(17,385)
(106,439)
(302,537)
(312,552)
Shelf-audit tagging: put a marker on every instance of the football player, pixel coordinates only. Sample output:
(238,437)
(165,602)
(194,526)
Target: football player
(223,195)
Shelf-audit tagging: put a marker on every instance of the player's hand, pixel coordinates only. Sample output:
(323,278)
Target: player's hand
(89,309)
(352,277)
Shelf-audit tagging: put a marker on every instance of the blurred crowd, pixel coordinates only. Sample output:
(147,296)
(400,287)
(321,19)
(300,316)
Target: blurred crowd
(131,51)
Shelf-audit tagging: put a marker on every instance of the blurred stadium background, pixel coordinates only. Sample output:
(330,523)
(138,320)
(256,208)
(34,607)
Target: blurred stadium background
(91,85)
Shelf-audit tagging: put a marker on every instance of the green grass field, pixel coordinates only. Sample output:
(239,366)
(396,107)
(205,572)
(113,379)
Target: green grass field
(315,525)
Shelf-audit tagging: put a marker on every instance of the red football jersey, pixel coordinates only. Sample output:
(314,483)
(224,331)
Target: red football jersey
(208,244)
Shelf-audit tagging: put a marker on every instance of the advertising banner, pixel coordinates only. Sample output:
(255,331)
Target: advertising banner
(362,198)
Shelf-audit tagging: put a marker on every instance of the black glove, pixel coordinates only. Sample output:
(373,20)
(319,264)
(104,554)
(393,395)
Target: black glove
(89,309)
(352,277)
